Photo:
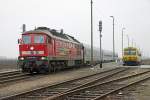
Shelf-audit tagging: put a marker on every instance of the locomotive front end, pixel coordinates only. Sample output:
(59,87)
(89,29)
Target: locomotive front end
(33,53)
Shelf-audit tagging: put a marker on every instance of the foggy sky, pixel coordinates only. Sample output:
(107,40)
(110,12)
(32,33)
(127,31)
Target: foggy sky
(74,17)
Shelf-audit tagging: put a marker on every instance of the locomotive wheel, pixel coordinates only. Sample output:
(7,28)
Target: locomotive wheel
(49,69)
(31,72)
(44,70)
(52,68)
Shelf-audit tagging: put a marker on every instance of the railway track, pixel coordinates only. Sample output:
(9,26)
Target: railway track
(53,90)
(9,73)
(12,76)
(100,91)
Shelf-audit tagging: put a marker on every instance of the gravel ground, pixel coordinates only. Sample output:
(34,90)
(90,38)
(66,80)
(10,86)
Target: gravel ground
(140,91)
(136,92)
(52,79)
(8,67)
(21,86)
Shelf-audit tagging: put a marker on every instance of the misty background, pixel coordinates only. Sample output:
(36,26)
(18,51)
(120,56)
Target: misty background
(74,17)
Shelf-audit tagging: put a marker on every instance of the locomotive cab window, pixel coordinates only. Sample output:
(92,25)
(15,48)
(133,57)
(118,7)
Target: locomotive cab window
(39,39)
(130,52)
(26,39)
(133,52)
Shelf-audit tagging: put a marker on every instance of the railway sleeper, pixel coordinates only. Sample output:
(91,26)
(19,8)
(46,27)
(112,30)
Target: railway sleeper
(78,97)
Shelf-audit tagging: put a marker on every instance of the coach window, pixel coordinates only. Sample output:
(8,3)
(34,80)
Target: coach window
(26,39)
(39,39)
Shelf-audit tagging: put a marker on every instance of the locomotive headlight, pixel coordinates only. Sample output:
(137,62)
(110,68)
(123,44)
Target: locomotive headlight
(31,48)
(21,58)
(43,58)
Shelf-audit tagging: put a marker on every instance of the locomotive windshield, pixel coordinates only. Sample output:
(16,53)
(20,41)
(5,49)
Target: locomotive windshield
(26,39)
(129,52)
(39,39)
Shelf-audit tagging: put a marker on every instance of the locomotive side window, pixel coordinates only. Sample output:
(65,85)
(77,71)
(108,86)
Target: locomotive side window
(49,40)
(26,39)
(39,39)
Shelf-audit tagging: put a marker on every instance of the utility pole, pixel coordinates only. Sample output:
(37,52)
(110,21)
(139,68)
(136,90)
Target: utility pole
(91,32)
(113,38)
(132,42)
(135,44)
(122,40)
(128,40)
(100,30)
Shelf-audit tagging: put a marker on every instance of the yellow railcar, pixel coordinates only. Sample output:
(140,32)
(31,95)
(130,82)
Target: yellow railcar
(131,56)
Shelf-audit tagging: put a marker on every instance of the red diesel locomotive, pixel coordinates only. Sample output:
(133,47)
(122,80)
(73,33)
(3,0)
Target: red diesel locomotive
(44,50)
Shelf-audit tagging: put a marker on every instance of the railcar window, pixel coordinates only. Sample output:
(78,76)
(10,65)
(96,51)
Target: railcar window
(133,52)
(38,39)
(26,39)
(130,52)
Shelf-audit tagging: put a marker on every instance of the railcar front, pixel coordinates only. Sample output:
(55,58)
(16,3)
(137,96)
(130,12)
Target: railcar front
(131,56)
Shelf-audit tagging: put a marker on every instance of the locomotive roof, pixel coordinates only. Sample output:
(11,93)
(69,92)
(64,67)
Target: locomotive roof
(53,33)
(131,48)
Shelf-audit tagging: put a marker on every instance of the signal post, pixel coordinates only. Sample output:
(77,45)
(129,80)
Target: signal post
(100,30)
